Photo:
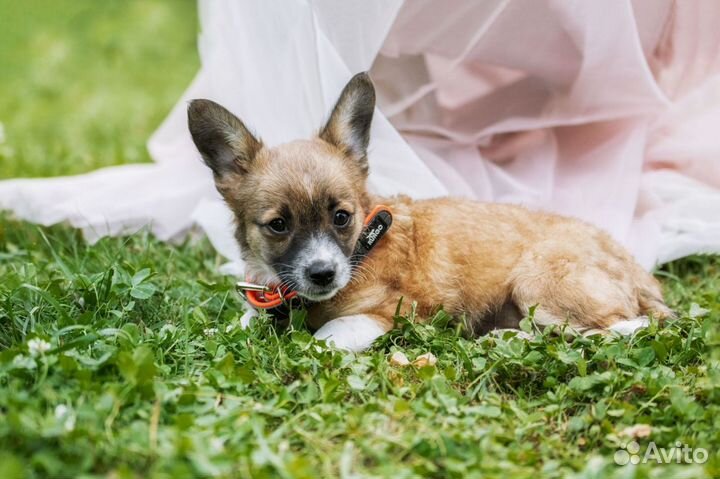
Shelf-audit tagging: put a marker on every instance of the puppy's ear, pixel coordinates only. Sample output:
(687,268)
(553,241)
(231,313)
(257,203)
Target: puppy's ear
(349,125)
(224,142)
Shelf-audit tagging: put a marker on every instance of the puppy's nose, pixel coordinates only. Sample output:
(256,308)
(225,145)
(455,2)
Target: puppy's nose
(321,273)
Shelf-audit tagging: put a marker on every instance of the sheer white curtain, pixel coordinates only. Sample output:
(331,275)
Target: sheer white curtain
(605,112)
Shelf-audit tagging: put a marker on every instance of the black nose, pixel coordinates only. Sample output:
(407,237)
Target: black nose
(321,273)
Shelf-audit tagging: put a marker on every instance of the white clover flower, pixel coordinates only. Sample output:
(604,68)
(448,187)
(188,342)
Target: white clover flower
(210,332)
(217,445)
(37,346)
(66,416)
(23,362)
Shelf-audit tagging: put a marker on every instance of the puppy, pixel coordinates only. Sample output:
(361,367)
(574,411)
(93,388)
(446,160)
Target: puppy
(300,208)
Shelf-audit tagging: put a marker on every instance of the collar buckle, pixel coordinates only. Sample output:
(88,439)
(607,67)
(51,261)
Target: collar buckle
(243,286)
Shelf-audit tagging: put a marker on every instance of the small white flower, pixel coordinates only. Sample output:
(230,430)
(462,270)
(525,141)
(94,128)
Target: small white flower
(37,346)
(217,444)
(66,416)
(210,332)
(2,133)
(23,362)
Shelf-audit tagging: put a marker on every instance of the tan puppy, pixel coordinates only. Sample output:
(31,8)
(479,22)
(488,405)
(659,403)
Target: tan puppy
(300,208)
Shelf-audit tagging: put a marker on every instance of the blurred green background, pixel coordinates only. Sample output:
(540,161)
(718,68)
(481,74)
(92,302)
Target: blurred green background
(84,83)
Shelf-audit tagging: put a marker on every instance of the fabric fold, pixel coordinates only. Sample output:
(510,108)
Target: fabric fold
(606,112)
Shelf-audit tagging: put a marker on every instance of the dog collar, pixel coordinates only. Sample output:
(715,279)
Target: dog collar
(277,300)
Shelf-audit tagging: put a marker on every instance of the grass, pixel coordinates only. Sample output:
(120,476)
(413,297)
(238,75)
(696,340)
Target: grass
(85,82)
(126,359)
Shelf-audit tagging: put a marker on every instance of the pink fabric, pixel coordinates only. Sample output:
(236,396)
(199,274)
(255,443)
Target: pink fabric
(563,105)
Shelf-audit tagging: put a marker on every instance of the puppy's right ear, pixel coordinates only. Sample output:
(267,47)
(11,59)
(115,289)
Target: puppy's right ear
(224,142)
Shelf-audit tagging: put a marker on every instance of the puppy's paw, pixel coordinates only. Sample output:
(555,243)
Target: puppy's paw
(249,314)
(629,326)
(351,333)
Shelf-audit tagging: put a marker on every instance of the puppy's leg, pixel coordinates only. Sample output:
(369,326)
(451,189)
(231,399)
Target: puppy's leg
(580,276)
(353,333)
(578,293)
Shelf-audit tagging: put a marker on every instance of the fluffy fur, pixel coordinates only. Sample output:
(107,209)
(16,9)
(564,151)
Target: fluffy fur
(488,263)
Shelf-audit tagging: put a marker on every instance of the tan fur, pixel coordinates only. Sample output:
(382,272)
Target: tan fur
(472,258)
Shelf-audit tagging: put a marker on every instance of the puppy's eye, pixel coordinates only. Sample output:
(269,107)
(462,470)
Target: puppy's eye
(278,226)
(342,218)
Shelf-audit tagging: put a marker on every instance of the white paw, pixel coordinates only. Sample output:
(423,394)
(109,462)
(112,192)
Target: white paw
(629,326)
(351,333)
(249,314)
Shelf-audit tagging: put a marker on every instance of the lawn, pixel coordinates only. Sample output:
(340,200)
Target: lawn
(125,358)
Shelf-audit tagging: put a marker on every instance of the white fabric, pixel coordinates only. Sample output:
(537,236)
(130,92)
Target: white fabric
(605,112)
(279,66)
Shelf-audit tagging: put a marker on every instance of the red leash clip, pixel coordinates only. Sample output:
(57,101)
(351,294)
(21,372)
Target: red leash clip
(265,297)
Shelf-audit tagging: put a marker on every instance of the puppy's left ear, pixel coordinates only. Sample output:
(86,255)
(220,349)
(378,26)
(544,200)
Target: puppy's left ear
(349,125)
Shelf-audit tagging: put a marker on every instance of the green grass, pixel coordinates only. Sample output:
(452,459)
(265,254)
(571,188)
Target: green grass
(83,83)
(149,375)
